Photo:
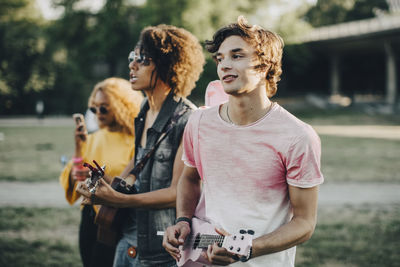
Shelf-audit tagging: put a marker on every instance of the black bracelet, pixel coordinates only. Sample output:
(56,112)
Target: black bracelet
(184,219)
(244,259)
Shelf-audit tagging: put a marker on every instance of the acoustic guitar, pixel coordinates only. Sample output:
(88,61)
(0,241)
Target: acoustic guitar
(110,219)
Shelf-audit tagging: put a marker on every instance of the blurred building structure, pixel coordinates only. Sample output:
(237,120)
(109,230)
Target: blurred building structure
(378,35)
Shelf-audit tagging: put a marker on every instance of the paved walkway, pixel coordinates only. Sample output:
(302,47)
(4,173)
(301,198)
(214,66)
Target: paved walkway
(50,194)
(42,194)
(33,121)
(366,131)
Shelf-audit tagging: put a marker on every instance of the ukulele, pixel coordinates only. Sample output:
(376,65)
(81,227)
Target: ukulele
(203,234)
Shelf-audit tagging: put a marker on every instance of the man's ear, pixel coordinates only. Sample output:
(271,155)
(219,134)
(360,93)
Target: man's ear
(262,71)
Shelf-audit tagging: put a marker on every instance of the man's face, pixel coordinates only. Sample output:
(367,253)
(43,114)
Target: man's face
(236,66)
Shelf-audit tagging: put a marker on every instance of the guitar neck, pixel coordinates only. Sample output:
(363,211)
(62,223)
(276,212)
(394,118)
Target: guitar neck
(97,172)
(205,240)
(94,179)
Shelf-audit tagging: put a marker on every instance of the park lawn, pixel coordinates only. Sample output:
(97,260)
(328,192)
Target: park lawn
(353,236)
(345,236)
(39,237)
(344,116)
(33,153)
(350,159)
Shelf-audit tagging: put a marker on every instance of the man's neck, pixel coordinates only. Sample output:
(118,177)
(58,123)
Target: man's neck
(244,109)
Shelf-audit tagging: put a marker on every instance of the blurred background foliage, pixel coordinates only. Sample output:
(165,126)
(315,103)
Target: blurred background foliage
(58,61)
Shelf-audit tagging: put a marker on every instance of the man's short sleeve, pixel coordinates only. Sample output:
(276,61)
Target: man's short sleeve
(304,160)
(190,139)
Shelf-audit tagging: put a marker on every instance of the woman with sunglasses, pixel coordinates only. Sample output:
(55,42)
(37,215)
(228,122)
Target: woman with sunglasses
(165,65)
(115,105)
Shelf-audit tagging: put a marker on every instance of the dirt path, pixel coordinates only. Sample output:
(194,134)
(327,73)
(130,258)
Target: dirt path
(50,194)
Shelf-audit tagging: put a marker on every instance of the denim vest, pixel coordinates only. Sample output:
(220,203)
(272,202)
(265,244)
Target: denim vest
(157,174)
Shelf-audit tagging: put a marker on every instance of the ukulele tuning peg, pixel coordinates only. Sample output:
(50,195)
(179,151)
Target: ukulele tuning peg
(250,232)
(242,231)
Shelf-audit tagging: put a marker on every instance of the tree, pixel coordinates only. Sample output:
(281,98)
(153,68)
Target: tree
(24,67)
(60,61)
(95,45)
(327,12)
(201,18)
(364,9)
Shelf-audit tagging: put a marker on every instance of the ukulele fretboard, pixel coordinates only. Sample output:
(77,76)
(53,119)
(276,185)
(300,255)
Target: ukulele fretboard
(205,240)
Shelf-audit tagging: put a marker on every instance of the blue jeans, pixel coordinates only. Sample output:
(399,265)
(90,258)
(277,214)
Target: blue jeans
(121,258)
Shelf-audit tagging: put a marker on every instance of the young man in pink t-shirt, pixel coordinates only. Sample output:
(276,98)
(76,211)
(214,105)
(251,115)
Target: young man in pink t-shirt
(258,165)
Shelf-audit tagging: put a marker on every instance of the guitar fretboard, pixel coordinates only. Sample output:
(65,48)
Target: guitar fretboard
(206,240)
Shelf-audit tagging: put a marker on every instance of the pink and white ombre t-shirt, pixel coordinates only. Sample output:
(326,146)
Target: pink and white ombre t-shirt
(246,171)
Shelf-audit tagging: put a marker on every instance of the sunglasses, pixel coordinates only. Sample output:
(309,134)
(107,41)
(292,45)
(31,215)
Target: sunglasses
(101,109)
(140,59)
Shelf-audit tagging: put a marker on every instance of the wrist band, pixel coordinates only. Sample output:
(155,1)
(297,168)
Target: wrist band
(77,160)
(184,219)
(244,259)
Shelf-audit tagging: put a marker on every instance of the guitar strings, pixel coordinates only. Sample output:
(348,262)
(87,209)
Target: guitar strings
(204,240)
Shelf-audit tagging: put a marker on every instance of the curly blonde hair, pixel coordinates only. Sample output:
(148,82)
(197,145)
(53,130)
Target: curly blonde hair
(177,55)
(124,102)
(268,46)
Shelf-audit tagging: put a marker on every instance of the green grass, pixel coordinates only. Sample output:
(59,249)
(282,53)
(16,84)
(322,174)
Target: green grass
(366,236)
(33,153)
(344,116)
(355,159)
(345,236)
(39,237)
(360,159)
